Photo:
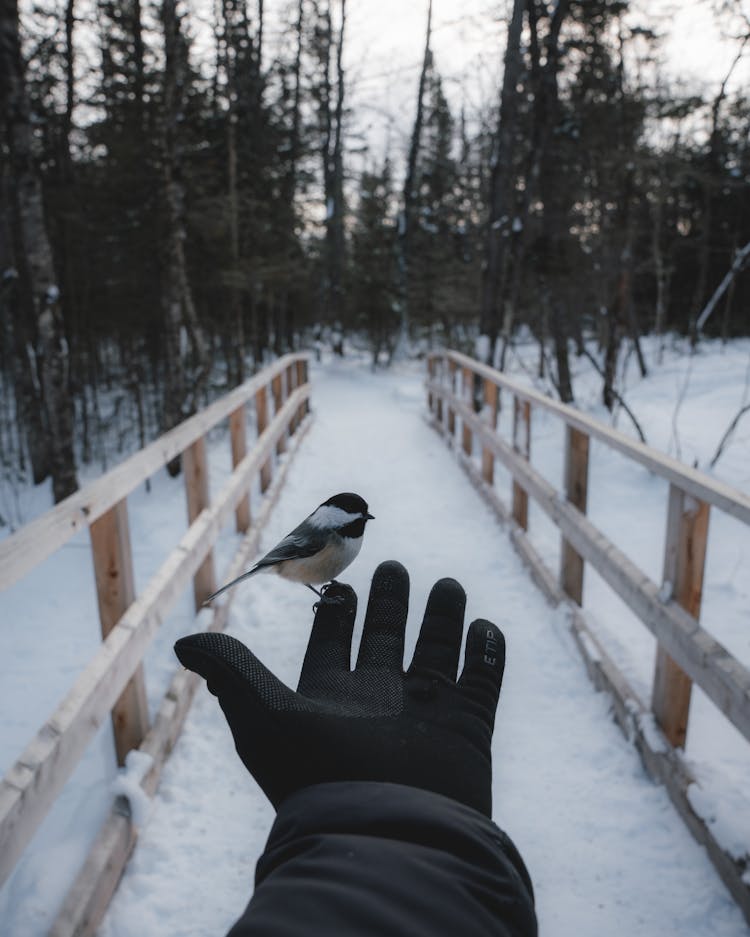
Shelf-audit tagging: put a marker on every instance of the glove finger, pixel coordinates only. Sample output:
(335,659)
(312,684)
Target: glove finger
(439,643)
(382,643)
(484,664)
(330,645)
(231,671)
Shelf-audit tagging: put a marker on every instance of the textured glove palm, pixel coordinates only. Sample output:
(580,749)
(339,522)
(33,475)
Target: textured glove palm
(422,727)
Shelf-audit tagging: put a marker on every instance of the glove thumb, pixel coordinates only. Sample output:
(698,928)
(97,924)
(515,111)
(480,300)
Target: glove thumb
(231,671)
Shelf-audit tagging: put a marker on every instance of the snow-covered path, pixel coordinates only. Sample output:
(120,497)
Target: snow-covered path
(607,852)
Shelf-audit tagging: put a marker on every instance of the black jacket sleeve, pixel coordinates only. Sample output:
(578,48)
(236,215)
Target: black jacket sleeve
(366,859)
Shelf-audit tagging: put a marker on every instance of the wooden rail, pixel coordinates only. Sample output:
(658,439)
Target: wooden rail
(686,652)
(112,682)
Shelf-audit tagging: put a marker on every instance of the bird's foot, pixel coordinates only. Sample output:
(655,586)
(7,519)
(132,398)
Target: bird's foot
(323,597)
(331,599)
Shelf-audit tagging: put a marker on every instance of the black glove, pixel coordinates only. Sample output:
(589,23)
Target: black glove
(375,723)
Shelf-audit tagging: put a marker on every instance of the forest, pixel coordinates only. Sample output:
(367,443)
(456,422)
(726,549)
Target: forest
(181,201)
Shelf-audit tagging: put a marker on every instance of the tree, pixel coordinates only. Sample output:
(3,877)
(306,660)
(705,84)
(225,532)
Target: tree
(289,153)
(410,191)
(546,181)
(373,281)
(502,214)
(330,111)
(181,329)
(440,278)
(37,309)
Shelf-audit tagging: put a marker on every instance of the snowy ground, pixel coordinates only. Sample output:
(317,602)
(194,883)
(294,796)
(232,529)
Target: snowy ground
(607,852)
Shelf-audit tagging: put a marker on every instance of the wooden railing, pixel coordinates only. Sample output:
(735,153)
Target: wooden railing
(686,652)
(113,681)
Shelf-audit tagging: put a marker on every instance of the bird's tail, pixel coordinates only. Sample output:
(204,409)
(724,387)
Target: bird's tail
(229,585)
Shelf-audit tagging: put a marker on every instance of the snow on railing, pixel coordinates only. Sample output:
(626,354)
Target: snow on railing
(113,681)
(686,652)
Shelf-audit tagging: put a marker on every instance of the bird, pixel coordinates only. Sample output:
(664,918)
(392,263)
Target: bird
(319,549)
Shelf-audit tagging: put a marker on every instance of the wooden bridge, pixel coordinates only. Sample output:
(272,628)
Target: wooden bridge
(113,681)
(686,653)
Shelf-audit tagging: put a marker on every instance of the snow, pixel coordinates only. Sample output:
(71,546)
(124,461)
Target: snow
(592,651)
(666,591)
(606,850)
(728,819)
(128,785)
(482,348)
(653,735)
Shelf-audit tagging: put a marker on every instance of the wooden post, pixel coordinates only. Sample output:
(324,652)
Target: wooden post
(491,394)
(115,590)
(684,563)
(521,445)
(261,415)
(440,373)
(301,380)
(468,396)
(239,448)
(576,490)
(277,389)
(451,411)
(291,385)
(195,467)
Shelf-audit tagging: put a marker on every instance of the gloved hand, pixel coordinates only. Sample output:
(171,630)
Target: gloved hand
(421,728)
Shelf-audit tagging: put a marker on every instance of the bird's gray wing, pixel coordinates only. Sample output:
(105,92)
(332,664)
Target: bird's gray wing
(301,542)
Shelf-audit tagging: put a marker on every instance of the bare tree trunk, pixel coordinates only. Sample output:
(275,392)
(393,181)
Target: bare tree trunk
(699,292)
(37,273)
(67,124)
(619,307)
(283,326)
(182,332)
(502,191)
(331,150)
(235,292)
(236,320)
(542,338)
(728,302)
(635,335)
(139,87)
(326,123)
(68,201)
(17,318)
(560,336)
(660,270)
(405,220)
(56,392)
(337,256)
(741,259)
(544,178)
(611,350)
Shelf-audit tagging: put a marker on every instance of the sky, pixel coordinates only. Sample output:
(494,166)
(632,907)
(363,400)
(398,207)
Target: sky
(384,45)
(385,42)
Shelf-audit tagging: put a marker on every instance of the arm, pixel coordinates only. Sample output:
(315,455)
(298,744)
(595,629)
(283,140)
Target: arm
(381,777)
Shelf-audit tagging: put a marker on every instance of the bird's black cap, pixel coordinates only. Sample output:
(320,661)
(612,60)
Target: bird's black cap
(348,502)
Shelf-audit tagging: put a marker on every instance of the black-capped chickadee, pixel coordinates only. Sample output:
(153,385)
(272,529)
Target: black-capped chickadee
(319,549)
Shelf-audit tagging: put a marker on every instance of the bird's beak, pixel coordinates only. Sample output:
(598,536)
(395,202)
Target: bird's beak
(369,517)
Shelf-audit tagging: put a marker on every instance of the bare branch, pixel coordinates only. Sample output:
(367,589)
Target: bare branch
(728,434)
(617,396)
(740,259)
